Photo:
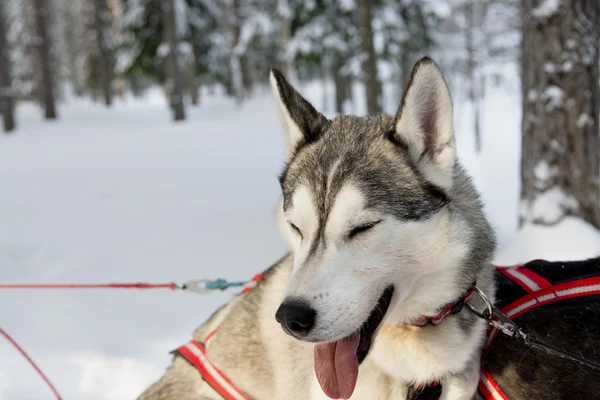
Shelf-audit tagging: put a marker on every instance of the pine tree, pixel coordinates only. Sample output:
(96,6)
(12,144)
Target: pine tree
(141,36)
(561,147)
(324,39)
(205,57)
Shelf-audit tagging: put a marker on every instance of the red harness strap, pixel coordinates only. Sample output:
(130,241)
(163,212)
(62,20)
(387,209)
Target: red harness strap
(195,353)
(546,294)
(526,278)
(252,283)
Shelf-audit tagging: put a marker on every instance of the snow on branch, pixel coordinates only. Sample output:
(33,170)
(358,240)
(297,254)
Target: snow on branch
(546,9)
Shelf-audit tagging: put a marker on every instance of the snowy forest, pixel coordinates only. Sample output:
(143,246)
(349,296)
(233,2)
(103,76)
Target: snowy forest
(141,142)
(105,49)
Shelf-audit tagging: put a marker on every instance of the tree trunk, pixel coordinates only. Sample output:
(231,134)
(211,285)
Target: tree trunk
(284,25)
(6,94)
(560,166)
(325,68)
(349,94)
(471,67)
(235,62)
(42,41)
(369,64)
(73,36)
(102,30)
(193,84)
(174,78)
(246,76)
(340,83)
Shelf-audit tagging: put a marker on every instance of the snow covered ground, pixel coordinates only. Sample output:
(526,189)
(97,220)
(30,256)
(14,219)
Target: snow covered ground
(127,195)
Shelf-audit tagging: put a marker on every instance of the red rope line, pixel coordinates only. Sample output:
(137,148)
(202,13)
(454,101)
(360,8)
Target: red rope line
(137,285)
(33,364)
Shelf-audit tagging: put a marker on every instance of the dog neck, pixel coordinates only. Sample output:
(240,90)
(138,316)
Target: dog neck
(447,310)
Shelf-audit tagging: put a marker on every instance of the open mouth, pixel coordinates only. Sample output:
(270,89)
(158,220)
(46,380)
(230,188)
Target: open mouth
(336,363)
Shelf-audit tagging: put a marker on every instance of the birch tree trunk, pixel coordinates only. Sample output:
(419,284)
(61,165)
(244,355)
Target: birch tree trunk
(369,64)
(6,94)
(560,166)
(42,42)
(174,81)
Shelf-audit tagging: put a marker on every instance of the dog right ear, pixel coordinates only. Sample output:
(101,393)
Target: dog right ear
(300,122)
(424,123)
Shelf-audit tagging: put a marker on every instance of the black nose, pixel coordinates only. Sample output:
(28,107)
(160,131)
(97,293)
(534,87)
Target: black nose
(296,319)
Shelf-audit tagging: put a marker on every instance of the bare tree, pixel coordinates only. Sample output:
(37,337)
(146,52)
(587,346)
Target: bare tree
(102,29)
(174,81)
(560,168)
(369,64)
(6,94)
(43,44)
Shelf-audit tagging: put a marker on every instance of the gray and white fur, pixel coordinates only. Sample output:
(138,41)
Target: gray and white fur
(367,203)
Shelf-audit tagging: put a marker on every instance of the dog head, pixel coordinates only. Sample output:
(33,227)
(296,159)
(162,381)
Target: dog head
(365,211)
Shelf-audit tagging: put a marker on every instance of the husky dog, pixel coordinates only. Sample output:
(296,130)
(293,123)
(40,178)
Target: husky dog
(384,228)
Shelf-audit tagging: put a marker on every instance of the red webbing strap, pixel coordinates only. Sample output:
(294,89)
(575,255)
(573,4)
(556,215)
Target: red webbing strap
(526,278)
(489,388)
(252,282)
(552,294)
(195,353)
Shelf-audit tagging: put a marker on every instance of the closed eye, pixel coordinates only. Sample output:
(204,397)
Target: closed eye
(361,229)
(297,230)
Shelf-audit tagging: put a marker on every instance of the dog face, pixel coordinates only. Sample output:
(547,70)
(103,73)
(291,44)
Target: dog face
(364,206)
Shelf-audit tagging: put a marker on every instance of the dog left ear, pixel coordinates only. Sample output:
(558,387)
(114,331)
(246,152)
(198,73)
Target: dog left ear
(424,123)
(300,122)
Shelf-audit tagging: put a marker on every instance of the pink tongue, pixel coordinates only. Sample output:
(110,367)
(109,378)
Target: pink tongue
(336,366)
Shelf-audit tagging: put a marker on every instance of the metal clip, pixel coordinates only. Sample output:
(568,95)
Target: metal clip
(495,317)
(489,310)
(197,286)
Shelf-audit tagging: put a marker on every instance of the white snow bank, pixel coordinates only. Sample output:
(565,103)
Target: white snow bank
(570,239)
